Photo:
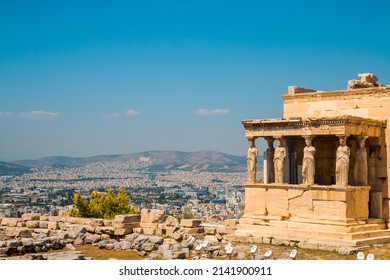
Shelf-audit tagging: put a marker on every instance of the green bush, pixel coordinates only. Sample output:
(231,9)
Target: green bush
(102,205)
(186,213)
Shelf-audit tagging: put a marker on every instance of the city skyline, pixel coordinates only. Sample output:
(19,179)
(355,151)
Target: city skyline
(89,78)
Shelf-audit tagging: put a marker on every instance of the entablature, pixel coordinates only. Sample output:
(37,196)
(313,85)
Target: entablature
(342,125)
(337,95)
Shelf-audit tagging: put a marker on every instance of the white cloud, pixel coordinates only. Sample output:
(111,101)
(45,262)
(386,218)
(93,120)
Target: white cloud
(202,112)
(4,114)
(38,114)
(111,116)
(114,115)
(132,112)
(206,112)
(31,114)
(219,112)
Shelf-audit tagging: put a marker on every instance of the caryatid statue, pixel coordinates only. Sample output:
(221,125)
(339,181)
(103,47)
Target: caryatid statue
(279,156)
(342,162)
(308,165)
(252,160)
(360,170)
(268,156)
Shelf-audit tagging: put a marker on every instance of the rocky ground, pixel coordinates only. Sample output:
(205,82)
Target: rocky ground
(146,237)
(241,251)
(142,247)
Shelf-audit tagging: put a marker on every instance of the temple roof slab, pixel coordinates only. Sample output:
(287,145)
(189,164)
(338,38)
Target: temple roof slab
(292,127)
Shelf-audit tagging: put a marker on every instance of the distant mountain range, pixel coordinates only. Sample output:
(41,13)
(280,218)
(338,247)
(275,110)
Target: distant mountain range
(7,168)
(154,161)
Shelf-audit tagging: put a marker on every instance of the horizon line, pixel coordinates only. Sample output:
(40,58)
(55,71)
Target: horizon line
(118,154)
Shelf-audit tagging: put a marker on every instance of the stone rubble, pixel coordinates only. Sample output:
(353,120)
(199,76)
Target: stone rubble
(34,233)
(367,80)
(30,236)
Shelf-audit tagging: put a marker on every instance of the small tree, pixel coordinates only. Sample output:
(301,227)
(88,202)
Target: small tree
(102,205)
(82,207)
(186,213)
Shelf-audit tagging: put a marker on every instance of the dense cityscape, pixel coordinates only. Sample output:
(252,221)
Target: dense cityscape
(214,196)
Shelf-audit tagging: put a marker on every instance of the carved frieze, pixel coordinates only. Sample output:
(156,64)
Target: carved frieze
(351,125)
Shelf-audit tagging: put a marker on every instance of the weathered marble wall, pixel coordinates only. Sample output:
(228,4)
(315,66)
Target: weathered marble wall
(373,102)
(325,204)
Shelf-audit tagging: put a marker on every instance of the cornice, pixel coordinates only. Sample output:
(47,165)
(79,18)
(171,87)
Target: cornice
(313,122)
(337,95)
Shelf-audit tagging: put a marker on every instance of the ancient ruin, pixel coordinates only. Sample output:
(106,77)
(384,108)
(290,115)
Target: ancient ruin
(145,233)
(324,186)
(328,184)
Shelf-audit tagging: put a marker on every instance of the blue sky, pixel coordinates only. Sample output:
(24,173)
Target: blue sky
(82,78)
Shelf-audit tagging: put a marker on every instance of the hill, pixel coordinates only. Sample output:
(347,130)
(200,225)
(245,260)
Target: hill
(62,161)
(7,168)
(153,160)
(202,160)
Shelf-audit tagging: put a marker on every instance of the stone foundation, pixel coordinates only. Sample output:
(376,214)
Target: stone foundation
(325,204)
(316,215)
(71,230)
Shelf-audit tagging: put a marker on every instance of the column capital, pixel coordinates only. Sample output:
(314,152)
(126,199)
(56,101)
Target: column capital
(251,140)
(362,137)
(342,136)
(308,137)
(270,141)
(361,140)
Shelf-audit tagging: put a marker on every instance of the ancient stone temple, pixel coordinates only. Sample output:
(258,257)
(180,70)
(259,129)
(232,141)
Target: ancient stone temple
(326,168)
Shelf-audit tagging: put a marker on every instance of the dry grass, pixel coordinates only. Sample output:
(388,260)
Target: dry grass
(103,254)
(381,252)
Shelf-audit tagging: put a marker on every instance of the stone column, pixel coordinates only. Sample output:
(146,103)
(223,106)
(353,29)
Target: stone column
(286,167)
(252,160)
(308,164)
(265,169)
(373,163)
(361,166)
(342,162)
(268,170)
(279,159)
(384,171)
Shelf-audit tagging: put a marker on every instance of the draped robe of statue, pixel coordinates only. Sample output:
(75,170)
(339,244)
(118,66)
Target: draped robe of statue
(342,165)
(308,166)
(252,163)
(279,155)
(360,170)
